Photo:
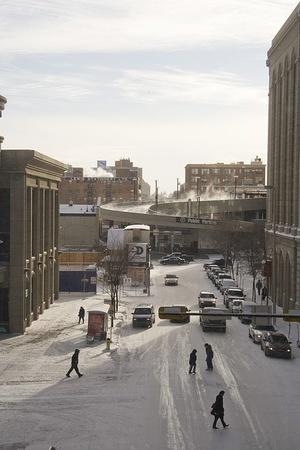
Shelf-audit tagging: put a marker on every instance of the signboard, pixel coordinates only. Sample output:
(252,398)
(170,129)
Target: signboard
(193,220)
(137,253)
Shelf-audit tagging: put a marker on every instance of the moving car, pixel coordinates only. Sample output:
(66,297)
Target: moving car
(206,299)
(171,280)
(276,344)
(175,313)
(256,332)
(213,321)
(236,306)
(143,315)
(172,260)
(188,258)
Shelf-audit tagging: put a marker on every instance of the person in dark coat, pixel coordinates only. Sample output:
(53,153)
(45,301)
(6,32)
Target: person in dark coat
(258,286)
(81,314)
(209,356)
(192,361)
(74,364)
(264,293)
(218,410)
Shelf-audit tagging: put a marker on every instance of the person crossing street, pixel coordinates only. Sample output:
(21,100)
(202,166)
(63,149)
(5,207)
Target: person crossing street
(74,364)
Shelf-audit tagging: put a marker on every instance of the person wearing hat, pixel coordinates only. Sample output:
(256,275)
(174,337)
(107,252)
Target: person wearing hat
(74,364)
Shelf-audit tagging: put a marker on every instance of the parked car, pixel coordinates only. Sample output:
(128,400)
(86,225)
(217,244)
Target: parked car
(143,315)
(219,262)
(172,260)
(276,344)
(226,284)
(171,280)
(188,258)
(222,276)
(233,294)
(209,269)
(206,299)
(256,332)
(213,273)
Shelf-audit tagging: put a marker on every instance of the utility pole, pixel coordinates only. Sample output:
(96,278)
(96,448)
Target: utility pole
(156,195)
(177,189)
(198,197)
(235,182)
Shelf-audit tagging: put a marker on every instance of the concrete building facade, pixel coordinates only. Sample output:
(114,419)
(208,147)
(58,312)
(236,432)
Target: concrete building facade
(283,212)
(29,215)
(221,177)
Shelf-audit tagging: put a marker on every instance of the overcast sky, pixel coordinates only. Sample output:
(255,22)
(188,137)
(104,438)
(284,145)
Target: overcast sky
(164,82)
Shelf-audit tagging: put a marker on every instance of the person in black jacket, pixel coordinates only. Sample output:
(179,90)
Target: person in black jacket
(81,314)
(192,361)
(209,356)
(74,364)
(218,410)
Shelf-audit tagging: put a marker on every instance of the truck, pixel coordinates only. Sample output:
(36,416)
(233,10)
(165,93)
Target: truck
(214,320)
(171,280)
(247,307)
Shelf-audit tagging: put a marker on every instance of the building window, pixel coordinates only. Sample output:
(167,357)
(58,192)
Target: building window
(194,171)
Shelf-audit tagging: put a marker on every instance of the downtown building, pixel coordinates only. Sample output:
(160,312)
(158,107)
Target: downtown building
(29,214)
(234,179)
(119,183)
(283,212)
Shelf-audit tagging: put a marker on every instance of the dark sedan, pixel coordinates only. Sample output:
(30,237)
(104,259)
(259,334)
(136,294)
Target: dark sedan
(276,344)
(172,260)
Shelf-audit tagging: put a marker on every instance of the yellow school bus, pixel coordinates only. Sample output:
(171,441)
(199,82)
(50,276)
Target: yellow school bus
(174,313)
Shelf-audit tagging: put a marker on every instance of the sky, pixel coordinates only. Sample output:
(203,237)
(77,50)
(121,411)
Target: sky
(163,82)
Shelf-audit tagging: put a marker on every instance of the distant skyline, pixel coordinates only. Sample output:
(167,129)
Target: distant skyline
(165,83)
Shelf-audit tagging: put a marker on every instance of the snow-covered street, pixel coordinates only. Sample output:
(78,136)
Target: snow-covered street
(140,395)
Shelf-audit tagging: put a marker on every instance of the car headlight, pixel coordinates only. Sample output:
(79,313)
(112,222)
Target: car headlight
(258,335)
(270,348)
(288,349)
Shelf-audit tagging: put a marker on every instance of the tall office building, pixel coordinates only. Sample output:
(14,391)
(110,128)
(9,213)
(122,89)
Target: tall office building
(283,212)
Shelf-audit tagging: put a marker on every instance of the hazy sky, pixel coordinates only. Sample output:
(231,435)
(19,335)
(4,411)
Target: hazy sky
(164,82)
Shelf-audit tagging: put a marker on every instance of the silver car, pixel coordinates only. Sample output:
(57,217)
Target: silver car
(256,332)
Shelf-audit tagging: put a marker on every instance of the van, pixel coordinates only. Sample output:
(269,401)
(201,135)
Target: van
(214,321)
(247,308)
(175,313)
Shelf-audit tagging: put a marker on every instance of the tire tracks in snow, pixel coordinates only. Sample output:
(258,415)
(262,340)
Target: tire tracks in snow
(167,407)
(231,383)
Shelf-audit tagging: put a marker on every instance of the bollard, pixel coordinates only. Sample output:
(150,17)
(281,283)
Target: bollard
(108,341)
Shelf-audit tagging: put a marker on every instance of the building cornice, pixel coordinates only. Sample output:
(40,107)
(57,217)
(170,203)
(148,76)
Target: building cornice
(284,30)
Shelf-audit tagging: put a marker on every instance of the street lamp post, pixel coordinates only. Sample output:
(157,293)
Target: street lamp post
(156,196)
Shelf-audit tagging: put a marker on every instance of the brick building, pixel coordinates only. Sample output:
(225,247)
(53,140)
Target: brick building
(120,183)
(201,178)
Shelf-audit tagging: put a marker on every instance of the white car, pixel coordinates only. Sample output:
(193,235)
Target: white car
(256,332)
(206,299)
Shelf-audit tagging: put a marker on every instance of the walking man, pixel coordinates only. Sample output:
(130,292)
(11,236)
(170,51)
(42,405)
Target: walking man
(258,286)
(218,410)
(81,314)
(192,361)
(264,293)
(209,356)
(74,364)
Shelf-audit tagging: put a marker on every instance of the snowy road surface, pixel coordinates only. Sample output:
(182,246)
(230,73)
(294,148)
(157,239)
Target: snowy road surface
(140,395)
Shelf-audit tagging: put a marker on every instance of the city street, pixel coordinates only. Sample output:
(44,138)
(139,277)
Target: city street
(140,395)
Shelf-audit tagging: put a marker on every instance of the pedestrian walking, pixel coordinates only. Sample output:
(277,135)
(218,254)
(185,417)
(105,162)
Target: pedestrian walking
(81,314)
(74,364)
(264,293)
(209,356)
(259,286)
(218,410)
(192,361)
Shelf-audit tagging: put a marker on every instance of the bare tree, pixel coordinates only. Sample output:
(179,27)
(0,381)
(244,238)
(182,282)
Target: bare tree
(229,242)
(253,253)
(113,268)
